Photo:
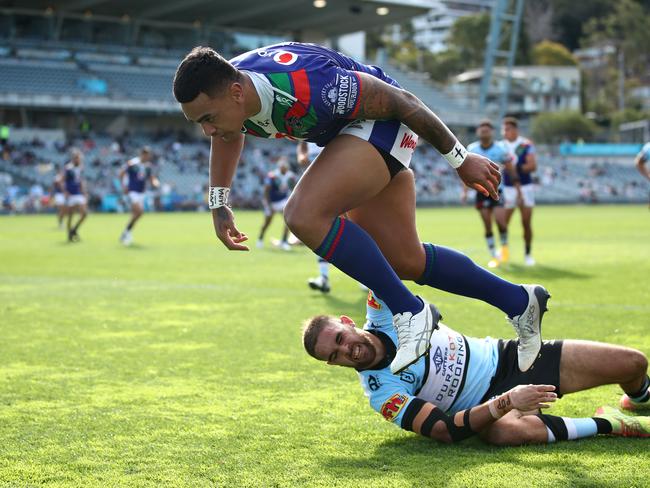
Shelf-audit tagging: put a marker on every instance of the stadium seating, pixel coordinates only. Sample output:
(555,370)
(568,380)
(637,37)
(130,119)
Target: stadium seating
(182,168)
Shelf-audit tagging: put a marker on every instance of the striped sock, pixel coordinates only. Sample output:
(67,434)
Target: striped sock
(351,249)
(490,244)
(324,268)
(568,429)
(643,395)
(453,272)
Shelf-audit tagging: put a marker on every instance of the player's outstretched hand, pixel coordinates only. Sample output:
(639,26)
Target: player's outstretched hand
(224,226)
(532,397)
(480,173)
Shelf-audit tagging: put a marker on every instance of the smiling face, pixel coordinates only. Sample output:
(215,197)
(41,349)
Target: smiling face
(340,343)
(219,116)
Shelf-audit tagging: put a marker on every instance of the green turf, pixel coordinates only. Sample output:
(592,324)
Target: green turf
(177,363)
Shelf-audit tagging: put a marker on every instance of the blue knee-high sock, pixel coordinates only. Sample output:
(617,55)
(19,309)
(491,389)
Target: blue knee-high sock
(454,272)
(348,247)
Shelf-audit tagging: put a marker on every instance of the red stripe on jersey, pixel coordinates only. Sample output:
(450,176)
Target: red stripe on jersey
(303,94)
(301,87)
(253,132)
(358,104)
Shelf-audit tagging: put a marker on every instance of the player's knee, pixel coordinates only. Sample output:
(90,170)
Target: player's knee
(507,434)
(638,362)
(409,265)
(296,218)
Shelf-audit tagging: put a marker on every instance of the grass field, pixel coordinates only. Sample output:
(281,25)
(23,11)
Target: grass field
(176,363)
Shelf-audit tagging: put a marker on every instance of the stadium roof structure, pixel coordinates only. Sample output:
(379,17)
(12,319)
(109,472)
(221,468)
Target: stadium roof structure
(321,18)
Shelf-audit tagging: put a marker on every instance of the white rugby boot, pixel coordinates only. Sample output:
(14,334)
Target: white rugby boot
(321,284)
(413,335)
(528,325)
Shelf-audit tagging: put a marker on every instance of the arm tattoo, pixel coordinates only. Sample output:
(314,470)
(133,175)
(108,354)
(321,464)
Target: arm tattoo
(379,100)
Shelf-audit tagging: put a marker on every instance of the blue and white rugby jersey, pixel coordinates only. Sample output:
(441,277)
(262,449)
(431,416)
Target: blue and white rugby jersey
(520,147)
(497,152)
(137,173)
(454,375)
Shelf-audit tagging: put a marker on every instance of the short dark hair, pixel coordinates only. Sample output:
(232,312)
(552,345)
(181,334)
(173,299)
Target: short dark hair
(203,70)
(511,121)
(310,332)
(485,123)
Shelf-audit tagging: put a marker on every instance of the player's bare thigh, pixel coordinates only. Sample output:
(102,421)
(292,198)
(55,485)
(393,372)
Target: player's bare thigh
(389,218)
(346,174)
(587,364)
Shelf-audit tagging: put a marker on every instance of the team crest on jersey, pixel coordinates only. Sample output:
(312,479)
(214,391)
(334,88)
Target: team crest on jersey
(438,360)
(285,57)
(329,94)
(295,123)
(392,407)
(373,383)
(372,303)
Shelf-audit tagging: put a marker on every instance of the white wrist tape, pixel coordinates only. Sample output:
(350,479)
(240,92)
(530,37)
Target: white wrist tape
(218,196)
(456,156)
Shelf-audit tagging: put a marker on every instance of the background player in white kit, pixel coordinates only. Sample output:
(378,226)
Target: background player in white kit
(75,193)
(134,177)
(525,165)
(277,188)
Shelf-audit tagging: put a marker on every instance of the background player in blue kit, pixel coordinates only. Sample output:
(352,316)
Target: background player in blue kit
(466,386)
(277,188)
(75,193)
(524,195)
(497,152)
(369,128)
(134,177)
(640,161)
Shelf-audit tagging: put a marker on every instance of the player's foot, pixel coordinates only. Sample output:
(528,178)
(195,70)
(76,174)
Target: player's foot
(285,246)
(260,243)
(126,238)
(624,425)
(73,236)
(413,335)
(528,325)
(529,260)
(627,403)
(504,254)
(321,284)
(493,263)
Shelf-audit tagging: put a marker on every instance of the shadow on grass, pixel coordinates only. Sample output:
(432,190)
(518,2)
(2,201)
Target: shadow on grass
(419,460)
(136,247)
(542,272)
